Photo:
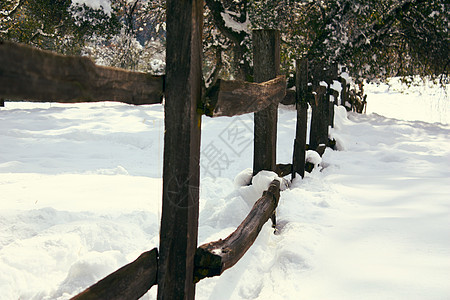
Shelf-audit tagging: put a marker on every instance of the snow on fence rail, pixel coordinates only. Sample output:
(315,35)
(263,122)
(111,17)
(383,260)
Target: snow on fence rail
(30,74)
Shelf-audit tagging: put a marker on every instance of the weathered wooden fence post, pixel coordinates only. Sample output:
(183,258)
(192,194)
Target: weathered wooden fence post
(345,90)
(179,220)
(332,75)
(319,118)
(301,100)
(266,62)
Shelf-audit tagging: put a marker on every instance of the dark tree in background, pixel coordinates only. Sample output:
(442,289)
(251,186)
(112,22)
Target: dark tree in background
(374,39)
(126,34)
(141,37)
(232,22)
(54,25)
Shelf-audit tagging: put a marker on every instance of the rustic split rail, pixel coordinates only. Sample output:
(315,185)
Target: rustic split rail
(131,281)
(213,258)
(30,74)
(35,75)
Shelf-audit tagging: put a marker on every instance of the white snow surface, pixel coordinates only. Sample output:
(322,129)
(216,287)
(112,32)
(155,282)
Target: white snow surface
(313,157)
(417,103)
(346,76)
(80,189)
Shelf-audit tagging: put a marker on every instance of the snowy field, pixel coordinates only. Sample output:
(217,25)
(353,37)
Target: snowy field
(80,196)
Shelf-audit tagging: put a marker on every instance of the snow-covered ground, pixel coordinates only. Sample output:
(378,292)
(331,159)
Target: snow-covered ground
(422,102)
(80,196)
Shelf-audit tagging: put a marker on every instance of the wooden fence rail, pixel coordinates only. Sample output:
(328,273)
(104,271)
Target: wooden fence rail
(31,74)
(213,258)
(35,75)
(234,97)
(131,281)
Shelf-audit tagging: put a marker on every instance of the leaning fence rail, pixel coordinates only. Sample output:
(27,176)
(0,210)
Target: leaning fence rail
(131,281)
(211,259)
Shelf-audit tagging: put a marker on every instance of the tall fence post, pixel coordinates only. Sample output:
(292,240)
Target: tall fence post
(319,116)
(266,61)
(332,75)
(345,90)
(301,100)
(181,173)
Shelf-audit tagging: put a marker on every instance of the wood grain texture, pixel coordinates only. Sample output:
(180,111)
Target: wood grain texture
(332,76)
(212,259)
(31,74)
(320,118)
(266,62)
(181,170)
(298,160)
(234,97)
(131,281)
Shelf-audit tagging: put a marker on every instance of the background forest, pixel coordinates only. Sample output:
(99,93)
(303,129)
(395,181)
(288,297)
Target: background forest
(374,39)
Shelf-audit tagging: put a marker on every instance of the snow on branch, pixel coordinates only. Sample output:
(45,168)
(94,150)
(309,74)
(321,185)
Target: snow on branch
(234,25)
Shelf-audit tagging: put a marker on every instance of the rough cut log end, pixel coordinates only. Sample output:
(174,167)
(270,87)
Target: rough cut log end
(207,263)
(274,189)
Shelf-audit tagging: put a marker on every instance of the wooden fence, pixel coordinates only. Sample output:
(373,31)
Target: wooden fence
(30,74)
